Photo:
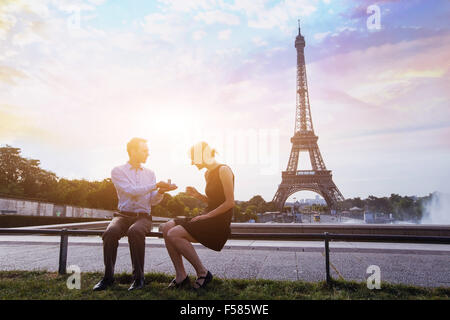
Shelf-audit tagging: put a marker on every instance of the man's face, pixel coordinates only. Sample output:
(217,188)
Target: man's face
(141,153)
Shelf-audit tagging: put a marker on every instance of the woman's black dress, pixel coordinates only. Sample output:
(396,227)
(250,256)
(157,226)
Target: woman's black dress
(212,232)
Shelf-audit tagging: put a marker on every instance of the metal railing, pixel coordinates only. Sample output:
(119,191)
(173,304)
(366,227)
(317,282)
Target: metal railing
(326,237)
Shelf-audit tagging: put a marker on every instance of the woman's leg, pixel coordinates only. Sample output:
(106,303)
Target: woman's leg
(175,256)
(181,240)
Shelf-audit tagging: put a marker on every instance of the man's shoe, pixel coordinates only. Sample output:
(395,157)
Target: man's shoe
(137,284)
(103,284)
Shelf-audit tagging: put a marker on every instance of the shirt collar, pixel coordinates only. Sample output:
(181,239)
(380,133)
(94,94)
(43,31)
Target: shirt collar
(130,167)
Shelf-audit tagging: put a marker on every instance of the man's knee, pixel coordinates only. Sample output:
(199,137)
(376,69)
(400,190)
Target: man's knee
(111,233)
(136,232)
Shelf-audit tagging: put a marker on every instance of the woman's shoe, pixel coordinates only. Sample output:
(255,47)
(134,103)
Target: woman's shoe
(208,278)
(175,285)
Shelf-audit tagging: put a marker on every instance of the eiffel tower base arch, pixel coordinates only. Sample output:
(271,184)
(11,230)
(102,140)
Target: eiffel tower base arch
(326,188)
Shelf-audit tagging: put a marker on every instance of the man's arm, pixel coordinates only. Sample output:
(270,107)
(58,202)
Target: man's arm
(123,184)
(157,195)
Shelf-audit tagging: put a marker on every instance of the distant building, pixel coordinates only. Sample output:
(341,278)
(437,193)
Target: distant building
(265,217)
(377,217)
(25,207)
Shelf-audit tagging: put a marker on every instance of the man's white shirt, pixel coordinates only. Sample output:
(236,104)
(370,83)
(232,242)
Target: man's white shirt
(136,188)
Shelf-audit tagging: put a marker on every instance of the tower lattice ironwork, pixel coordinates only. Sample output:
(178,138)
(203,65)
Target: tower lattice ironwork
(319,179)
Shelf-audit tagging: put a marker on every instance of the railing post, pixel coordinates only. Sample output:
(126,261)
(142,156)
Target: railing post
(327,258)
(63,252)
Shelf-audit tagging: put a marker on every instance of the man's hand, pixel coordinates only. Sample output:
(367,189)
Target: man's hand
(162,184)
(165,187)
(162,190)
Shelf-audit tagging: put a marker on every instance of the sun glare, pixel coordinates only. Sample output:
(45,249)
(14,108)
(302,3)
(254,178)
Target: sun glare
(172,120)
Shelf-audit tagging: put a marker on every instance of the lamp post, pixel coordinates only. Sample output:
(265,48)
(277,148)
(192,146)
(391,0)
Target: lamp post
(293,211)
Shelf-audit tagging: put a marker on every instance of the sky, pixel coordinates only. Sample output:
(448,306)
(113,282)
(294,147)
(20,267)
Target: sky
(79,79)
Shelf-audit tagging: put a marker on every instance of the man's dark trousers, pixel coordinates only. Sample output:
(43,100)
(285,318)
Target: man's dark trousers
(135,228)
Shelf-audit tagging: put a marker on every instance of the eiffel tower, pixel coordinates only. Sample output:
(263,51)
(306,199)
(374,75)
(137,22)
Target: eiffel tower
(319,179)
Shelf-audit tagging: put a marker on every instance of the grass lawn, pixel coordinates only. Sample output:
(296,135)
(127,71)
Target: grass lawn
(49,285)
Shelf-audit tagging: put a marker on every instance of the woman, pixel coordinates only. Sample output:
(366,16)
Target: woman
(211,228)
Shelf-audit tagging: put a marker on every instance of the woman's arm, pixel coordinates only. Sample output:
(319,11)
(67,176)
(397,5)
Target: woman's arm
(226,177)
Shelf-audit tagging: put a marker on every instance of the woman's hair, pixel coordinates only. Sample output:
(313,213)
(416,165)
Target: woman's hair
(201,152)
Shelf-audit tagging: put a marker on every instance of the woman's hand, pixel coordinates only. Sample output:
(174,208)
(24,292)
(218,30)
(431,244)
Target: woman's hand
(200,217)
(191,191)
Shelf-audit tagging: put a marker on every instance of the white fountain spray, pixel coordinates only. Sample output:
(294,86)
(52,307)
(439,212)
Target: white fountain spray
(437,209)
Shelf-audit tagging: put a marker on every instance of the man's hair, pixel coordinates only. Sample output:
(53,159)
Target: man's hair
(134,144)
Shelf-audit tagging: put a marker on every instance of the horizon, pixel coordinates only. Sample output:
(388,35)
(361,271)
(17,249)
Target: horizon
(78,81)
(305,194)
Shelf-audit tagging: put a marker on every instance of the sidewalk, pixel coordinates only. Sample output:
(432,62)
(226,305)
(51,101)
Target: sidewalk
(296,246)
(417,264)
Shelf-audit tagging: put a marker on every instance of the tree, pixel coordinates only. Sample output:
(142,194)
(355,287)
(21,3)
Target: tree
(237,213)
(190,202)
(23,177)
(250,214)
(258,202)
(269,207)
(175,207)
(195,212)
(104,196)
(11,163)
(318,208)
(251,208)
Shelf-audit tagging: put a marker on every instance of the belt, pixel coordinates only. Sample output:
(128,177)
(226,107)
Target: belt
(129,214)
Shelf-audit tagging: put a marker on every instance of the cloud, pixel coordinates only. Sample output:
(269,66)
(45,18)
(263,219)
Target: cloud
(262,15)
(165,26)
(30,34)
(7,22)
(216,16)
(9,75)
(258,41)
(198,35)
(321,35)
(359,10)
(188,5)
(14,126)
(224,34)
(392,88)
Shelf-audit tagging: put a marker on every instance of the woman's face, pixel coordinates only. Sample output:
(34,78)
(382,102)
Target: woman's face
(201,157)
(198,165)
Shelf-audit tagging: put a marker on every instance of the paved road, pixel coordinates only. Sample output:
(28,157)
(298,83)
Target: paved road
(418,264)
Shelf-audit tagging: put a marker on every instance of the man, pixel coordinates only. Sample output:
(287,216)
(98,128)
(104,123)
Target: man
(137,191)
